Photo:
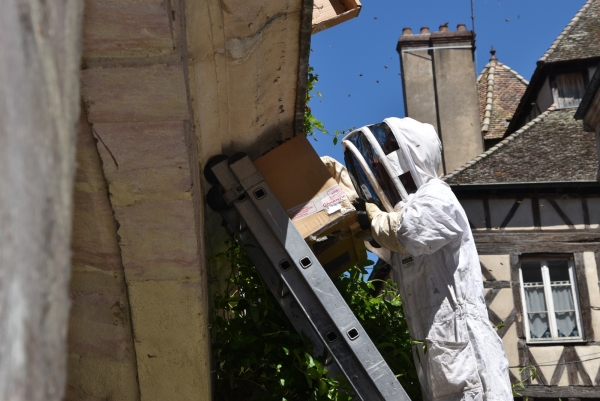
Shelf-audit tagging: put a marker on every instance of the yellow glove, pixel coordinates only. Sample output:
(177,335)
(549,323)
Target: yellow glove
(372,210)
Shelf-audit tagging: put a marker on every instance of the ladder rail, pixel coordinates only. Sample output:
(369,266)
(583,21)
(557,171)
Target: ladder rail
(324,308)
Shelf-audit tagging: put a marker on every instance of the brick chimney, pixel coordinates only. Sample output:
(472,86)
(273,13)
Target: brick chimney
(439,82)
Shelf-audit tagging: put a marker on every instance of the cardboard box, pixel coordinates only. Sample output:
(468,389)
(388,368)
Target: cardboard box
(339,250)
(328,13)
(315,202)
(305,188)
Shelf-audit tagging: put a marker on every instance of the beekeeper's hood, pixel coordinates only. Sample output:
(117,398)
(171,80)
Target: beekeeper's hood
(391,160)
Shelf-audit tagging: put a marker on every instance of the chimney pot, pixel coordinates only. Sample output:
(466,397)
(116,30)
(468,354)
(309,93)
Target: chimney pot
(406,31)
(461,27)
(425,29)
(444,28)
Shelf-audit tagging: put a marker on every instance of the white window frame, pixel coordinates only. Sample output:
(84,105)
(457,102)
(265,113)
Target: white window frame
(550,303)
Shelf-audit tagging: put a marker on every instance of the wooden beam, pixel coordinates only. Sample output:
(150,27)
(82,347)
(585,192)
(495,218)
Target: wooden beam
(555,392)
(531,237)
(540,375)
(560,368)
(496,284)
(494,318)
(571,368)
(584,296)
(562,214)
(535,209)
(523,360)
(511,213)
(580,368)
(487,214)
(490,295)
(486,273)
(516,290)
(507,323)
(586,212)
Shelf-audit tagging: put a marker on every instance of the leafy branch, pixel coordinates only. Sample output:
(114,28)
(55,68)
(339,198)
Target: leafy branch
(259,355)
(311,123)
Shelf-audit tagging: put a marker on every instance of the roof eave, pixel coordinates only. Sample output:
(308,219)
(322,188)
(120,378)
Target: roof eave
(588,97)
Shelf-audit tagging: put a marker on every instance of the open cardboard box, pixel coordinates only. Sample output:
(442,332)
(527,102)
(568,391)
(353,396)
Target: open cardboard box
(315,202)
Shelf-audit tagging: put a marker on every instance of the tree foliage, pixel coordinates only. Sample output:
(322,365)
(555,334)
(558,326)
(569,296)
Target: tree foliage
(260,356)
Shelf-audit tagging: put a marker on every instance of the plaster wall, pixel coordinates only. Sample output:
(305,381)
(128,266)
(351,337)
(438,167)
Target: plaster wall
(458,108)
(594,211)
(475,212)
(510,342)
(547,357)
(593,282)
(503,303)
(498,265)
(544,98)
(551,219)
(419,90)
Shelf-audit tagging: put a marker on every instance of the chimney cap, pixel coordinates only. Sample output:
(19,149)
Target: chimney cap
(444,27)
(461,27)
(425,29)
(406,31)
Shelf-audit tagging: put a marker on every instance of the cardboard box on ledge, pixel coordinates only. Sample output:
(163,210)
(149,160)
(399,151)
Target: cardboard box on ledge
(316,204)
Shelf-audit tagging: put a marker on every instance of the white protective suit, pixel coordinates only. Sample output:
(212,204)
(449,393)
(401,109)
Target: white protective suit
(437,268)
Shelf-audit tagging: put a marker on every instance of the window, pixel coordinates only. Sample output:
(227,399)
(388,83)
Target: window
(568,89)
(550,300)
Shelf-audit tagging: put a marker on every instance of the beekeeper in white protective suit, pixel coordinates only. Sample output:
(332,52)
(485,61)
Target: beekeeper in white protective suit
(436,265)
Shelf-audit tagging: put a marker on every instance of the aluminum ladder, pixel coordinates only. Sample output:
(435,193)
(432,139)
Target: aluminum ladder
(295,277)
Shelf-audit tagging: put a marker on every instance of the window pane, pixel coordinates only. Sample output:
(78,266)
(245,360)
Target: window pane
(534,296)
(559,270)
(563,298)
(566,324)
(532,273)
(538,325)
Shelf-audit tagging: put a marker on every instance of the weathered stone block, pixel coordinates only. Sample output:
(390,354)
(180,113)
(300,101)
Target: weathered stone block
(153,93)
(94,378)
(94,236)
(144,161)
(171,344)
(158,240)
(126,27)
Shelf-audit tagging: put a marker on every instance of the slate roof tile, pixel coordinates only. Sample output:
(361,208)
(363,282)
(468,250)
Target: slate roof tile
(553,147)
(581,37)
(499,90)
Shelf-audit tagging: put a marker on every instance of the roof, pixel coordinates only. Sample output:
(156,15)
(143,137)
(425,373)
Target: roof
(499,89)
(551,148)
(577,45)
(580,38)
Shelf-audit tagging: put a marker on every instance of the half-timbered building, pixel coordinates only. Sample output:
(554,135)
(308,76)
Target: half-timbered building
(533,202)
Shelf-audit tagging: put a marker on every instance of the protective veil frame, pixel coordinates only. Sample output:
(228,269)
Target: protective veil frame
(394,170)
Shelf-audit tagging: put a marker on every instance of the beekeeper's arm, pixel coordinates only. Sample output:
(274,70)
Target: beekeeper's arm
(421,228)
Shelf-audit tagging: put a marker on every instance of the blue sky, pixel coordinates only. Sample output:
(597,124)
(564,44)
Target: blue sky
(520,30)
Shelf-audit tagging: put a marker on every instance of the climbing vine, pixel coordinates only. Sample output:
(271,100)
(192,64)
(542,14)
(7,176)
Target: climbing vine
(312,125)
(259,355)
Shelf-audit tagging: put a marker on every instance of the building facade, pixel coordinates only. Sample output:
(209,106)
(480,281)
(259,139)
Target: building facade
(533,202)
